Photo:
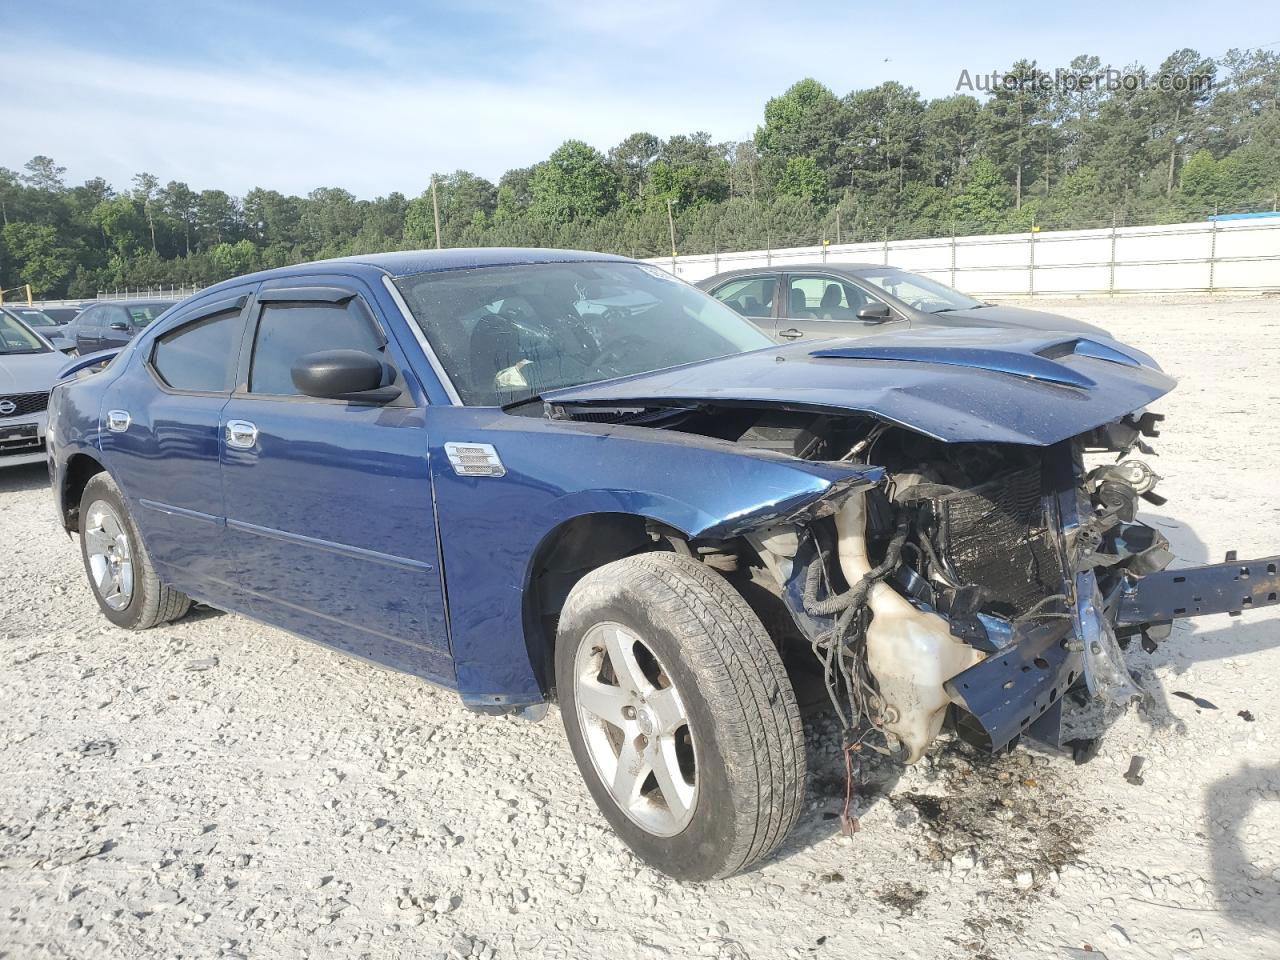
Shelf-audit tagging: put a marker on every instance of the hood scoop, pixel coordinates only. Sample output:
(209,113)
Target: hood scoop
(1041,364)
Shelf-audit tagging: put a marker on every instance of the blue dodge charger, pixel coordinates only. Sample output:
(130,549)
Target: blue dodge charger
(536,475)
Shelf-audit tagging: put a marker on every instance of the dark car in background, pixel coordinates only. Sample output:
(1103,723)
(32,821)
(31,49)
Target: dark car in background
(113,323)
(63,315)
(815,300)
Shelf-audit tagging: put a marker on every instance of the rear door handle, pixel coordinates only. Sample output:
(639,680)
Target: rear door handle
(791,334)
(241,434)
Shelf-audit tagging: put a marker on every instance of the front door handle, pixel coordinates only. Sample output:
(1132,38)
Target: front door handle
(791,334)
(241,434)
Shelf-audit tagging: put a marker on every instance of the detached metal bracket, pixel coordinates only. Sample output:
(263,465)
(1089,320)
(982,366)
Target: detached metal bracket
(1230,587)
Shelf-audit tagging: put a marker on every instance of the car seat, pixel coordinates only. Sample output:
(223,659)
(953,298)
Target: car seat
(830,302)
(799,306)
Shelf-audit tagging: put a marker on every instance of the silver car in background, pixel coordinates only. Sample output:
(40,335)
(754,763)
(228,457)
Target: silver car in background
(807,301)
(42,322)
(28,366)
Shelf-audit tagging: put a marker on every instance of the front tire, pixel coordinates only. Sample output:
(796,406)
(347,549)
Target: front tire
(680,715)
(124,582)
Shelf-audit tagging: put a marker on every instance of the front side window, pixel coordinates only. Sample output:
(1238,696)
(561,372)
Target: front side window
(920,292)
(820,297)
(510,333)
(200,356)
(287,332)
(751,296)
(17,337)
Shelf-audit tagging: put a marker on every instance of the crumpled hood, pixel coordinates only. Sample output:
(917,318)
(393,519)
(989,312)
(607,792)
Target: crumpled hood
(957,385)
(29,372)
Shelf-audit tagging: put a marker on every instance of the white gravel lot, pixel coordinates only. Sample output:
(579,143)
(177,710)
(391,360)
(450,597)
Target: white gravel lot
(216,787)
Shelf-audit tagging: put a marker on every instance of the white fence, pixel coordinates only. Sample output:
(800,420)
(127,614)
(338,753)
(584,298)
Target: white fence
(1218,256)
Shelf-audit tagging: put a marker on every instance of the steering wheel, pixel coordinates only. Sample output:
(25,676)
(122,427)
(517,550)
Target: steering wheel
(612,352)
(918,304)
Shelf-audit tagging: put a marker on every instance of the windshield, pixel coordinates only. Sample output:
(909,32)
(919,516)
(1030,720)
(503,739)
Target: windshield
(510,333)
(143,314)
(919,292)
(17,337)
(33,317)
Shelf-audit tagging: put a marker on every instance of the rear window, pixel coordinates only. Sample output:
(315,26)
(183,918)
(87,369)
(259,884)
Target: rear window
(36,318)
(143,315)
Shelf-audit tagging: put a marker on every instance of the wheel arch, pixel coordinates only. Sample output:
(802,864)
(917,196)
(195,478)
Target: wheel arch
(567,553)
(80,468)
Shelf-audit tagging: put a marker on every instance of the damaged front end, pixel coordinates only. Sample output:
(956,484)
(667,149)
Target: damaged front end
(996,566)
(979,584)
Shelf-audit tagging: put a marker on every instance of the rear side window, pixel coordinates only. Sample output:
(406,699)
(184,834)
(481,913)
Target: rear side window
(287,332)
(143,315)
(200,356)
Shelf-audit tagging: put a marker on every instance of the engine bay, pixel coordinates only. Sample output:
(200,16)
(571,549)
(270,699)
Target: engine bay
(974,586)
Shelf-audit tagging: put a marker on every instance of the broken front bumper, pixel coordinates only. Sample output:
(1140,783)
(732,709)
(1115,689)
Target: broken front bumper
(1229,587)
(1018,689)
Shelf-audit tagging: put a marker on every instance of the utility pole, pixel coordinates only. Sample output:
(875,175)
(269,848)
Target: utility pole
(671,223)
(435,209)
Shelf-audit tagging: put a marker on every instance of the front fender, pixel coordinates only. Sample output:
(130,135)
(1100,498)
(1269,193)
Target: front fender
(490,528)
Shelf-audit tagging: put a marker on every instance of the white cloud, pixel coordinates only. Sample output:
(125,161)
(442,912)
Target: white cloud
(374,101)
(370,132)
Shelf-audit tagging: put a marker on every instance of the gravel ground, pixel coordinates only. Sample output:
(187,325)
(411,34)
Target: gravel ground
(216,787)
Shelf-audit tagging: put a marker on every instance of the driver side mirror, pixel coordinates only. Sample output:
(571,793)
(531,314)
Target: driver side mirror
(875,312)
(120,325)
(343,375)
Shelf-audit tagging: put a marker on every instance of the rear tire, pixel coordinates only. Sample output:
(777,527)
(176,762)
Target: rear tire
(680,715)
(121,575)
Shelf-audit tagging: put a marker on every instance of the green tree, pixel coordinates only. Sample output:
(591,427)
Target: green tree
(884,132)
(948,138)
(145,188)
(574,182)
(37,257)
(804,180)
(1175,116)
(180,203)
(630,161)
(806,121)
(44,175)
(983,200)
(122,223)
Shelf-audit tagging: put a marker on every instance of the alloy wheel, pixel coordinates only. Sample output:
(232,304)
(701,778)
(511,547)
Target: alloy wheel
(110,559)
(636,729)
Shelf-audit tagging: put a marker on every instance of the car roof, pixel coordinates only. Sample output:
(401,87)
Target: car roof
(817,266)
(403,263)
(139,302)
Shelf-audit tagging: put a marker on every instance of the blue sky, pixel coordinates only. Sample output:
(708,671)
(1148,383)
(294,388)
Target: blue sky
(374,96)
